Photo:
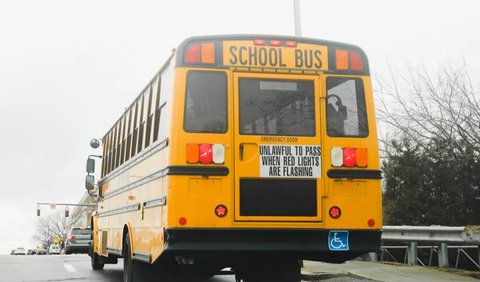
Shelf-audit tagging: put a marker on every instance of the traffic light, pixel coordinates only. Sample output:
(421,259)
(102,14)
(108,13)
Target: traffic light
(67,212)
(38,211)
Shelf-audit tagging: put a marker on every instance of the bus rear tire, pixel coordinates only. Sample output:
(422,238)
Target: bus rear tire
(128,263)
(95,260)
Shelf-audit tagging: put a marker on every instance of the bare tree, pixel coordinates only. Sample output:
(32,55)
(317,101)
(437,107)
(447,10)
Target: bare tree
(421,106)
(50,227)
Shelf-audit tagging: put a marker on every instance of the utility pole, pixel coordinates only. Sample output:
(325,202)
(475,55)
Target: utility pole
(296,13)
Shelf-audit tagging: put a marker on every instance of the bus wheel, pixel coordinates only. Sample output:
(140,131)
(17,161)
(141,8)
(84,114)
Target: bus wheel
(95,260)
(128,264)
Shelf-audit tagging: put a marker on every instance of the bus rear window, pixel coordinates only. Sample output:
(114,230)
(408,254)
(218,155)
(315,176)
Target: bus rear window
(276,107)
(346,111)
(206,102)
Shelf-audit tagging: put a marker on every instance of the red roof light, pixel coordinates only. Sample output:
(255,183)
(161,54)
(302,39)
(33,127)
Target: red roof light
(291,44)
(193,53)
(355,61)
(275,43)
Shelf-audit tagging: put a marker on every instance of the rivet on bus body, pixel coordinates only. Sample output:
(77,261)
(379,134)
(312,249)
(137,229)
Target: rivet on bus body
(182,221)
(371,222)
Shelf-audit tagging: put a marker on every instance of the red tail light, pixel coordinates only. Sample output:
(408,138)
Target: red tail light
(71,238)
(206,153)
(349,157)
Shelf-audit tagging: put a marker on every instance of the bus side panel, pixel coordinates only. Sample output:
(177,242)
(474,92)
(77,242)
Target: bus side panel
(193,196)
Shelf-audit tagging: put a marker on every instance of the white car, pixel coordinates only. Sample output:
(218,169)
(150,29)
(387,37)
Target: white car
(20,251)
(54,250)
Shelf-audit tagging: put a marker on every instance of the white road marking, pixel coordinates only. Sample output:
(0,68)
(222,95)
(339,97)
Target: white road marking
(69,267)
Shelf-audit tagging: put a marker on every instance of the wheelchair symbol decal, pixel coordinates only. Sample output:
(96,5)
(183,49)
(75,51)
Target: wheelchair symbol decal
(338,241)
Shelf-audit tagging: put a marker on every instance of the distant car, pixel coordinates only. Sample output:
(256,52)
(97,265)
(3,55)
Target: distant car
(78,241)
(31,252)
(20,251)
(12,252)
(54,250)
(41,252)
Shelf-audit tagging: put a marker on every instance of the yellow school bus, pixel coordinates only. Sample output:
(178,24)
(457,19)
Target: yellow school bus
(244,152)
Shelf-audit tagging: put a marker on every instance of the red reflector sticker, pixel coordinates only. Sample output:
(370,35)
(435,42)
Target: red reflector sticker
(335,212)
(182,221)
(371,222)
(221,211)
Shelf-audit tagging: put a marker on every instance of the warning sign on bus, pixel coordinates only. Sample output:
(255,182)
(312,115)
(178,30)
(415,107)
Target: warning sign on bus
(302,161)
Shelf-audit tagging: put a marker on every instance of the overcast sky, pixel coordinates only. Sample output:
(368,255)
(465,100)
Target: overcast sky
(68,69)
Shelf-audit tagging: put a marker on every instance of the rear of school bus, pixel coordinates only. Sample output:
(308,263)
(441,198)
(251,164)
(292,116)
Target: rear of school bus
(274,153)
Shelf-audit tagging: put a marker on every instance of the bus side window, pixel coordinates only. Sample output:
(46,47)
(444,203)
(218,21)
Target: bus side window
(105,155)
(122,139)
(151,111)
(156,118)
(346,109)
(136,120)
(206,102)
(128,133)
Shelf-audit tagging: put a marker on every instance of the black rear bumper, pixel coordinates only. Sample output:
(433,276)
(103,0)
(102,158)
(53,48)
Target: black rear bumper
(300,243)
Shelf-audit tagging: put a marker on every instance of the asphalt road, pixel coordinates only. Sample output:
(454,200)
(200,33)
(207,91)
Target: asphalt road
(63,268)
(53,268)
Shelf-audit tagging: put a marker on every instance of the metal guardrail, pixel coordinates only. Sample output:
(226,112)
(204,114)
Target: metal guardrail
(439,238)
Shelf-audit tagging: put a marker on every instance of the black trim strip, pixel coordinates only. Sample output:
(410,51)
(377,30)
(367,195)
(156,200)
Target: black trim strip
(355,173)
(155,203)
(198,170)
(130,208)
(142,257)
(114,251)
(133,185)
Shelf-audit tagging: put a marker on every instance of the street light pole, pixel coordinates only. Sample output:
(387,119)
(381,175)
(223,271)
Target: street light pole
(296,12)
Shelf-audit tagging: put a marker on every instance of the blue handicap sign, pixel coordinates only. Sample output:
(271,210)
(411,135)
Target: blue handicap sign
(338,240)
